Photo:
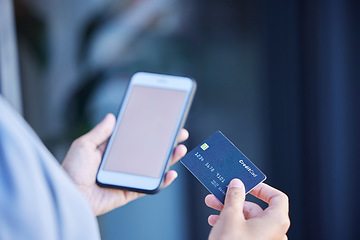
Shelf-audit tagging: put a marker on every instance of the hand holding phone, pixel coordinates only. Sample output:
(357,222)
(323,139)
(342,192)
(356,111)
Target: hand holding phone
(153,111)
(83,160)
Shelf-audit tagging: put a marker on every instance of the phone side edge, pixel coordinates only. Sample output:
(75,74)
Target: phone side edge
(183,121)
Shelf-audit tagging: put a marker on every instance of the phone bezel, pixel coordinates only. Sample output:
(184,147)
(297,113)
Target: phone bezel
(141,183)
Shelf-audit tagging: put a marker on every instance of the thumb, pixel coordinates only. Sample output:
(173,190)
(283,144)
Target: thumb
(102,131)
(235,196)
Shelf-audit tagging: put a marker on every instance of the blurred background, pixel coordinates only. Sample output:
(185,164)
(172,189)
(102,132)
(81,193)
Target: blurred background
(280,78)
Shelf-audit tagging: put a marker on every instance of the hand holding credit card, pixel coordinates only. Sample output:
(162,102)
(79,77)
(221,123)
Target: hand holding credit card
(216,161)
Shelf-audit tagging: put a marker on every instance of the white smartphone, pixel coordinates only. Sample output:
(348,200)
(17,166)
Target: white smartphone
(153,111)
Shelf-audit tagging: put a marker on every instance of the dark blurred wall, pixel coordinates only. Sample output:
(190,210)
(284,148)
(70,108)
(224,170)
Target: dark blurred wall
(313,81)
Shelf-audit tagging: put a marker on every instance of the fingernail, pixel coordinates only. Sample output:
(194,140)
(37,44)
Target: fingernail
(236,183)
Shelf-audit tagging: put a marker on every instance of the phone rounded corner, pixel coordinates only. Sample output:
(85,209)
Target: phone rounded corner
(159,186)
(98,181)
(194,86)
(135,75)
(154,191)
(194,82)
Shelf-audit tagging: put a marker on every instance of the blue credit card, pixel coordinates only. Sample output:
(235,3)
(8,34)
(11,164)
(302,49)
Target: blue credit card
(216,161)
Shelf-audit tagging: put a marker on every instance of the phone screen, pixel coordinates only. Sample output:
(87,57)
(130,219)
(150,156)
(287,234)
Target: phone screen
(141,143)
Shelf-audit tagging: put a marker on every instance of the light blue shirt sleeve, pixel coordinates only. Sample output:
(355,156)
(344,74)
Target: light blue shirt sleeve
(37,198)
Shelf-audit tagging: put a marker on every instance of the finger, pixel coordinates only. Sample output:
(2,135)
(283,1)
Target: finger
(252,210)
(235,196)
(117,198)
(212,219)
(170,177)
(102,131)
(183,135)
(179,152)
(275,198)
(212,202)
(129,196)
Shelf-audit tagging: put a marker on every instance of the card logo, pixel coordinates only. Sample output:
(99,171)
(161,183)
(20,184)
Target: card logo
(247,168)
(204,146)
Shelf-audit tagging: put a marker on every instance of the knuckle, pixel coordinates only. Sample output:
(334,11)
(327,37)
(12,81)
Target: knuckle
(284,201)
(285,223)
(284,197)
(282,221)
